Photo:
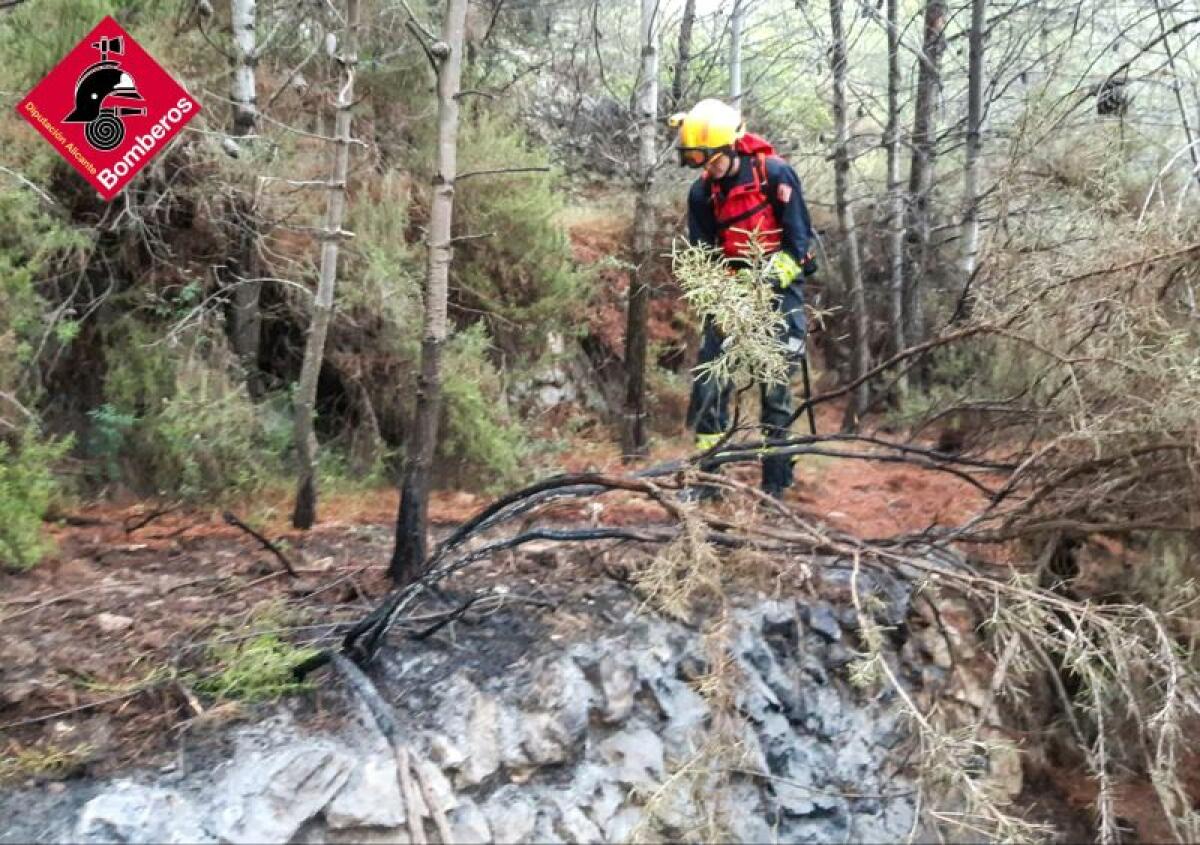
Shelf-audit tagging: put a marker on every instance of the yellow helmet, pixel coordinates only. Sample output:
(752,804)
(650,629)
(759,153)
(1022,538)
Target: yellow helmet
(711,127)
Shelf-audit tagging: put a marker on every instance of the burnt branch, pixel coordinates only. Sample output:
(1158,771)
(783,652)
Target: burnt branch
(231,519)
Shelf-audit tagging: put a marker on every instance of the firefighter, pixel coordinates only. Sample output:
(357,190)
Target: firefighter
(745,188)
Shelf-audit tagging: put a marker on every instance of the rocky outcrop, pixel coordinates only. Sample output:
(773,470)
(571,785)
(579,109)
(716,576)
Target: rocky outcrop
(602,738)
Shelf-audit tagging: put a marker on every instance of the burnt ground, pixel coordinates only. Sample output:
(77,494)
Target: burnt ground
(106,644)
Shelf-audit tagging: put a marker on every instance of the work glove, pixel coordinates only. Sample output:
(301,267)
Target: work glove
(783,270)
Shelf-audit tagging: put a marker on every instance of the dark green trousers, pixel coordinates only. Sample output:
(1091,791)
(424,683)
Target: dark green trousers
(708,408)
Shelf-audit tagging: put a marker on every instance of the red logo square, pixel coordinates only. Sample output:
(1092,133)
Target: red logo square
(108,108)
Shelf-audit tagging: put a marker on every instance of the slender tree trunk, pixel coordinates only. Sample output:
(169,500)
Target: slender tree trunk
(970,223)
(634,441)
(895,240)
(920,175)
(246,328)
(408,557)
(735,54)
(680,79)
(305,513)
(1177,89)
(243,17)
(851,269)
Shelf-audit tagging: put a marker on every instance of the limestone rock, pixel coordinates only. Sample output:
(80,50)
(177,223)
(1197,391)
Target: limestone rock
(621,826)
(618,683)
(370,797)
(130,812)
(510,814)
(445,753)
(574,826)
(468,825)
(635,757)
(266,796)
(482,740)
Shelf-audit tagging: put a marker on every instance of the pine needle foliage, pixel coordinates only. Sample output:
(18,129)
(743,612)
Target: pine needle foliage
(740,303)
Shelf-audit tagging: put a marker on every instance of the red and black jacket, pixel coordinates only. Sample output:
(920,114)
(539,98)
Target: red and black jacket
(764,196)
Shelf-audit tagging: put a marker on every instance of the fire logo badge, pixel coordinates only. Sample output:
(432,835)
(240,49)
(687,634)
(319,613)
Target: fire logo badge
(108,118)
(105,128)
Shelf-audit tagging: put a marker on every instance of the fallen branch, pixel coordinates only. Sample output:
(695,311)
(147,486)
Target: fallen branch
(231,519)
(435,810)
(150,517)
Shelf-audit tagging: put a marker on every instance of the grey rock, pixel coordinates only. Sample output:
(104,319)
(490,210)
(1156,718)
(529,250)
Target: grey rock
(618,683)
(560,746)
(621,826)
(564,698)
(481,740)
(686,713)
(445,753)
(130,812)
(370,797)
(468,824)
(356,836)
(574,826)
(266,796)
(635,757)
(603,800)
(821,618)
(510,814)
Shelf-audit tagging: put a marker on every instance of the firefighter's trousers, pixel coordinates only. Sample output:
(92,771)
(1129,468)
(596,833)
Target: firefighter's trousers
(708,409)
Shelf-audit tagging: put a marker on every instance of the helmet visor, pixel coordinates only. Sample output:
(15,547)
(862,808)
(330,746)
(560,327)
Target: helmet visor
(698,156)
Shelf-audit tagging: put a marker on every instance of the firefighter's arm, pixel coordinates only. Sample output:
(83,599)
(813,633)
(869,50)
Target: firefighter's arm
(795,260)
(702,224)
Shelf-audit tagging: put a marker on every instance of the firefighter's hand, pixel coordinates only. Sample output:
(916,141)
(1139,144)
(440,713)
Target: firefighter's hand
(783,270)
(809,265)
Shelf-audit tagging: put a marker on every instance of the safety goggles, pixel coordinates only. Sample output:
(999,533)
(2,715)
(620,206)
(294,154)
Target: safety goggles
(699,156)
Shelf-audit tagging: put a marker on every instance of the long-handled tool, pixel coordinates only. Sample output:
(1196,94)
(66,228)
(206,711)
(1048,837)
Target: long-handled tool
(812,419)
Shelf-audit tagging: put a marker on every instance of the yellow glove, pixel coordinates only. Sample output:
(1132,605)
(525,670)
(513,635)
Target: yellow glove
(784,269)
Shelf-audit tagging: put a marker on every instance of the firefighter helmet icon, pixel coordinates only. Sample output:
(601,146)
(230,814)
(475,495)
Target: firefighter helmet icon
(100,83)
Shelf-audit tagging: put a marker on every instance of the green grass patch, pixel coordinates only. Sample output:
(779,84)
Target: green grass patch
(42,761)
(256,669)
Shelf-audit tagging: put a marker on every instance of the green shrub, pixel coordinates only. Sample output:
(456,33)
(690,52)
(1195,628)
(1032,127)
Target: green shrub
(210,440)
(523,273)
(108,437)
(479,431)
(256,669)
(27,487)
(34,37)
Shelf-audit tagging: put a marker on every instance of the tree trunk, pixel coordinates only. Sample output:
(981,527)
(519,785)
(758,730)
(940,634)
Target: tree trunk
(245,101)
(246,320)
(305,513)
(680,79)
(851,270)
(920,176)
(246,324)
(735,54)
(633,441)
(408,557)
(970,223)
(895,240)
(1177,89)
